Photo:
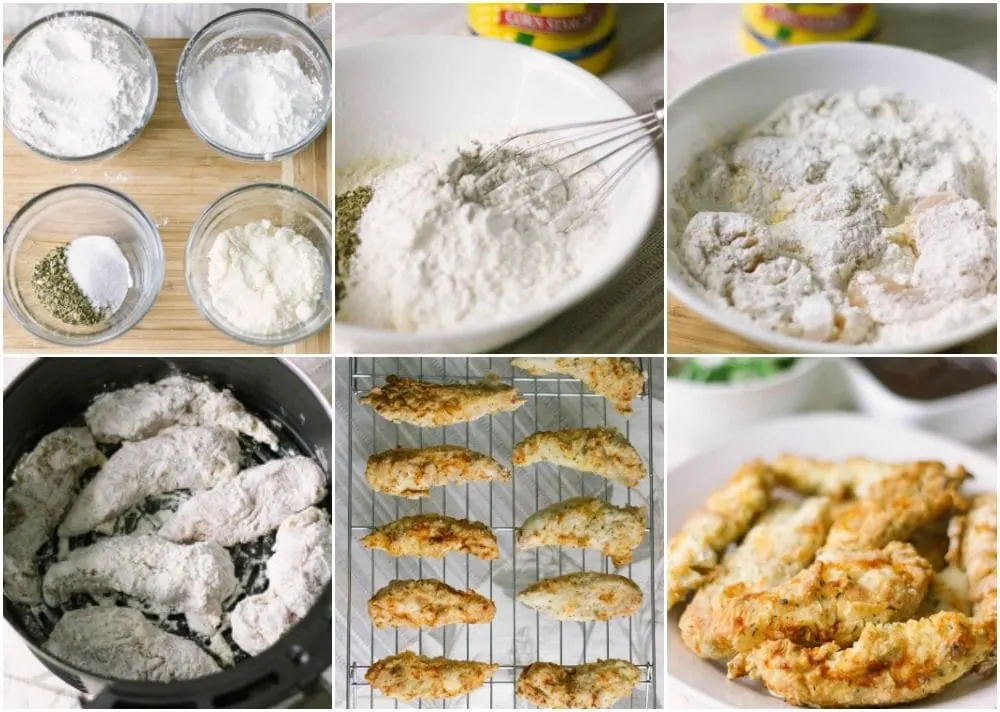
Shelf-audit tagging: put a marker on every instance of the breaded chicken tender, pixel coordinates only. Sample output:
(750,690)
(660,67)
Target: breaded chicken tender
(586,523)
(601,451)
(693,552)
(890,664)
(427,603)
(619,380)
(411,472)
(584,596)
(428,405)
(782,543)
(431,536)
(408,676)
(977,556)
(845,478)
(932,542)
(588,686)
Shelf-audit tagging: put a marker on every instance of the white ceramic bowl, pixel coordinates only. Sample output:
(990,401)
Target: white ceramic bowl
(743,94)
(396,96)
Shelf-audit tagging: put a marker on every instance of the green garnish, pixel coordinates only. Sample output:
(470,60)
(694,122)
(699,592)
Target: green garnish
(728,370)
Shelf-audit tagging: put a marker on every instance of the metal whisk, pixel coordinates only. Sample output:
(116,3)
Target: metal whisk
(609,136)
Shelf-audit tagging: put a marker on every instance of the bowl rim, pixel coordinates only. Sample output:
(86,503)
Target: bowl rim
(144,304)
(803,366)
(153,74)
(180,74)
(735,323)
(585,285)
(857,372)
(189,247)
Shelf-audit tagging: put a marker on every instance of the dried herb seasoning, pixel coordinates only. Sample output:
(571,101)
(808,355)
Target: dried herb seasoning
(59,294)
(350,206)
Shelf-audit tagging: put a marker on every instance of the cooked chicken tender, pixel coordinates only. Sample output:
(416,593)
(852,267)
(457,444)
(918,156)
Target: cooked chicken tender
(584,596)
(838,479)
(977,556)
(601,451)
(409,676)
(782,543)
(619,380)
(833,600)
(948,591)
(432,536)
(411,472)
(586,523)
(932,542)
(427,603)
(890,664)
(693,552)
(429,405)
(588,686)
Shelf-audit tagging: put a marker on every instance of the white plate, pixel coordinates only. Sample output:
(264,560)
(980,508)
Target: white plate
(823,435)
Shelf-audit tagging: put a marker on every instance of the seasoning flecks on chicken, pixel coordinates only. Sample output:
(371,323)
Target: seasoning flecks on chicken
(830,601)
(601,451)
(181,457)
(432,536)
(429,405)
(889,664)
(427,603)
(588,686)
(250,505)
(41,491)
(408,676)
(411,472)
(586,523)
(852,477)
(693,552)
(584,596)
(977,556)
(619,380)
(780,545)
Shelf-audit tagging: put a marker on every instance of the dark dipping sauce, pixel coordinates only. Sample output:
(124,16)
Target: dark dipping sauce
(931,378)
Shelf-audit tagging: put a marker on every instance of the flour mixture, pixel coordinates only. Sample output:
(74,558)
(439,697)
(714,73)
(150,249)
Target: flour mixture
(859,217)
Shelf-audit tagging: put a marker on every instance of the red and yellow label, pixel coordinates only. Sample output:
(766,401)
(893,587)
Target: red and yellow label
(772,26)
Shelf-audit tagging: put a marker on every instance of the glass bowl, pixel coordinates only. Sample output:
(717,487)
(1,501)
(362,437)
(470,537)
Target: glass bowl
(147,59)
(56,217)
(284,206)
(253,30)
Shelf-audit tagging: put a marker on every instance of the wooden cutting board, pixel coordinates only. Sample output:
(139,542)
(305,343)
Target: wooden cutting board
(173,176)
(689,333)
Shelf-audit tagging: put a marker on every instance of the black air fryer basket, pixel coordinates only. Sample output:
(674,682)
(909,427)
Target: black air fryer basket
(54,392)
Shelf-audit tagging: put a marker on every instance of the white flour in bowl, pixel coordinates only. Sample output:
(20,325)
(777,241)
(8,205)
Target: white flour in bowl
(860,217)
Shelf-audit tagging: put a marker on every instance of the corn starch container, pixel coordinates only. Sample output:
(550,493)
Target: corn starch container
(581,33)
(772,26)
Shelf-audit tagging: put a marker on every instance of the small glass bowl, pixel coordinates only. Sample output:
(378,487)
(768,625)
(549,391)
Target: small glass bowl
(284,206)
(248,31)
(56,217)
(141,47)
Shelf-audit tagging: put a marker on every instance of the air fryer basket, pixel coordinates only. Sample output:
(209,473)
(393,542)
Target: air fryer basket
(54,391)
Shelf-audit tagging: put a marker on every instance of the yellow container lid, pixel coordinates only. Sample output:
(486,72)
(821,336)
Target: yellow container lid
(768,26)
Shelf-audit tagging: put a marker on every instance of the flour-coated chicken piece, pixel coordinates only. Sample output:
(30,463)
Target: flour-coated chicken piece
(584,596)
(191,579)
(121,644)
(601,451)
(181,457)
(588,686)
(586,523)
(411,472)
(853,477)
(250,505)
(432,536)
(778,546)
(693,552)
(408,676)
(830,601)
(42,488)
(619,380)
(427,603)
(428,405)
(890,664)
(146,409)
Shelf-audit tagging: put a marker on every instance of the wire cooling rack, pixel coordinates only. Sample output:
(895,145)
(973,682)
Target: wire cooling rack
(518,635)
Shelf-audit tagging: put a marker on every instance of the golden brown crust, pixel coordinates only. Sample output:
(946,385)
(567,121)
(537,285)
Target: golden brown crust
(853,477)
(432,536)
(411,472)
(427,603)
(619,380)
(428,405)
(601,451)
(586,523)
(588,686)
(979,560)
(408,676)
(584,596)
